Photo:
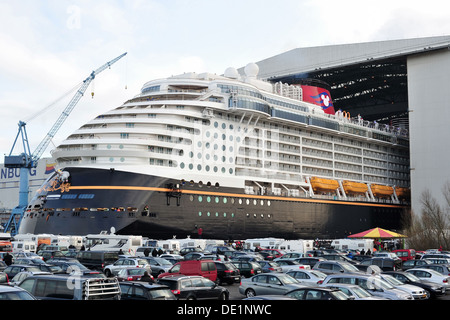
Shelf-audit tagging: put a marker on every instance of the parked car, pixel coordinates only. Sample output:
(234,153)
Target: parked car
(132,274)
(318,294)
(158,265)
(291,256)
(269,266)
(3,265)
(137,290)
(405,254)
(434,289)
(123,263)
(71,266)
(308,277)
(385,264)
(338,257)
(43,266)
(194,288)
(441,268)
(61,287)
(439,260)
(14,293)
(372,283)
(357,292)
(172,258)
(204,268)
(97,260)
(271,253)
(18,278)
(311,261)
(25,254)
(14,269)
(4,279)
(431,275)
(227,272)
(330,267)
(287,265)
(268,284)
(418,293)
(186,250)
(49,254)
(202,256)
(415,263)
(247,269)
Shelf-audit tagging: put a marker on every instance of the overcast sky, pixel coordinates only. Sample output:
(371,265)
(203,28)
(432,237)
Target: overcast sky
(47,47)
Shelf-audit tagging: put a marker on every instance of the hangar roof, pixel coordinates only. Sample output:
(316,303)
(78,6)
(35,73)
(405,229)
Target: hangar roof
(366,78)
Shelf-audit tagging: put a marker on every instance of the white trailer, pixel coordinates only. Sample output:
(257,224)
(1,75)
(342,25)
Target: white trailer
(113,242)
(268,243)
(295,245)
(353,244)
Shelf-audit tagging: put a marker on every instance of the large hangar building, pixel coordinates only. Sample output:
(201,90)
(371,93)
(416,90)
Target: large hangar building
(401,82)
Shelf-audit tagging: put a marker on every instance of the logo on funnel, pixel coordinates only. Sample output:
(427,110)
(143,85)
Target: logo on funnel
(323,99)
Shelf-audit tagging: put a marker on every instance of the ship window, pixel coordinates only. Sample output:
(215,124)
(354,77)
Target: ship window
(208,198)
(224,214)
(69,196)
(182,165)
(199,213)
(200,198)
(86,196)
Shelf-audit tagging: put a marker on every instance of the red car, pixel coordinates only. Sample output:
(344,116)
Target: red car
(131,274)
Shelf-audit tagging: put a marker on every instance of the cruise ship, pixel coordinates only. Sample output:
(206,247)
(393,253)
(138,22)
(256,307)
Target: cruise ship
(226,157)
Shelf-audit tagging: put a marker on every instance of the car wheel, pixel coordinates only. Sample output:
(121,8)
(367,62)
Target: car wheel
(250,293)
(108,273)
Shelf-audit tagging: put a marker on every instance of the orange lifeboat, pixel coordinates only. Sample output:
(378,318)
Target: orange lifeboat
(381,191)
(321,184)
(403,193)
(354,187)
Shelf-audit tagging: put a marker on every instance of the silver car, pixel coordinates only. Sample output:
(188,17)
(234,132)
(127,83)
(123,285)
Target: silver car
(114,269)
(372,283)
(355,291)
(268,284)
(417,292)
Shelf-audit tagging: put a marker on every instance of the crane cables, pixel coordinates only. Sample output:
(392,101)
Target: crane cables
(51,105)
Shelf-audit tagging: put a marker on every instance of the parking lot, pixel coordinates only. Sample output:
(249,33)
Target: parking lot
(224,273)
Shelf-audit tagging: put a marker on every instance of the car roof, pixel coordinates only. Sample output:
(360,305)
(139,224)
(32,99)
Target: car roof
(179,277)
(147,285)
(10,288)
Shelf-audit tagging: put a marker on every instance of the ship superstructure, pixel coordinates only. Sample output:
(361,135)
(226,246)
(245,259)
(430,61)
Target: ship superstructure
(228,146)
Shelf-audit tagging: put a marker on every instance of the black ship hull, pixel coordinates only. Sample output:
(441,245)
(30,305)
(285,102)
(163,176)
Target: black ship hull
(160,208)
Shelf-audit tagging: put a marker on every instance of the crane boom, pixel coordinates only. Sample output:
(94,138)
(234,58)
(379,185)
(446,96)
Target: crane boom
(26,160)
(63,116)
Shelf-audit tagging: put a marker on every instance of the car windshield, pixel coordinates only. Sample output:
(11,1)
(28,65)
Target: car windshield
(163,262)
(412,277)
(360,292)
(349,267)
(286,279)
(318,274)
(17,295)
(160,293)
(392,280)
(339,295)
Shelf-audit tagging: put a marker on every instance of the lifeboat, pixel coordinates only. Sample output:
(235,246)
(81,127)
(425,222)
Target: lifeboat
(403,193)
(379,190)
(321,184)
(354,187)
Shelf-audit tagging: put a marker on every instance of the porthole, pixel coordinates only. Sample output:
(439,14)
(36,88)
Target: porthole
(208,199)
(262,202)
(217,214)
(208,214)
(255,202)
(224,214)
(199,167)
(200,198)
(224,125)
(182,165)
(191,166)
(216,124)
(268,203)
(191,197)
(225,200)
(207,168)
(199,213)
(240,201)
(247,201)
